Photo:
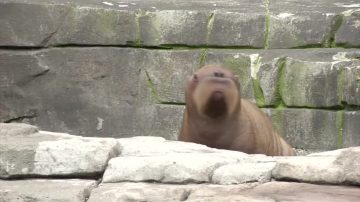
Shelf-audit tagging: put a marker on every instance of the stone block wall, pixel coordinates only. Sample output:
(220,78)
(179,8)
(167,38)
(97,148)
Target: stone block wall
(117,69)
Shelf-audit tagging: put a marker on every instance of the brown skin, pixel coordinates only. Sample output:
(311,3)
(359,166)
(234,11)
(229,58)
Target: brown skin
(216,116)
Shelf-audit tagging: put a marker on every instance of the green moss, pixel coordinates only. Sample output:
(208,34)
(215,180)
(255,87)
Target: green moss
(152,88)
(203,57)
(239,66)
(258,92)
(277,117)
(267,25)
(210,25)
(340,127)
(329,39)
(341,80)
(280,83)
(138,15)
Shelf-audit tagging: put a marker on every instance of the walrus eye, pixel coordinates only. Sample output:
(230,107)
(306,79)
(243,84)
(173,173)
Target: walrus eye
(195,77)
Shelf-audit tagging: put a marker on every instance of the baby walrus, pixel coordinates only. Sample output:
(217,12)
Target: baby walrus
(216,116)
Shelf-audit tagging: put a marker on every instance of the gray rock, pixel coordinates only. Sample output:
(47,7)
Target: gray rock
(75,90)
(289,30)
(331,167)
(181,27)
(157,146)
(237,29)
(351,135)
(38,24)
(310,84)
(243,173)
(313,169)
(310,129)
(349,31)
(171,168)
(162,120)
(350,78)
(29,152)
(154,192)
(165,74)
(268,76)
(252,192)
(302,192)
(70,190)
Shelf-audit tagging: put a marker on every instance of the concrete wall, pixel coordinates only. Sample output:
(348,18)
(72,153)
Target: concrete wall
(109,69)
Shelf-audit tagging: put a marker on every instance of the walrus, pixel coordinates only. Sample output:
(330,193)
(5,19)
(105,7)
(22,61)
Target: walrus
(215,115)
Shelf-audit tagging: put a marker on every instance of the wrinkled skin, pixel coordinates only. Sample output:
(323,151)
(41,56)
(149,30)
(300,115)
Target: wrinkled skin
(216,116)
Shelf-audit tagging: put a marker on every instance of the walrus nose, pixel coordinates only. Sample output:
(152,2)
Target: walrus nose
(218,74)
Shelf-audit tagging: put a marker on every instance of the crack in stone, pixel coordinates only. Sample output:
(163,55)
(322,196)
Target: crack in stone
(20,118)
(46,40)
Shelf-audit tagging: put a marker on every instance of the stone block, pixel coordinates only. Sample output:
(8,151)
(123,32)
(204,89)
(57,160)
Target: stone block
(348,33)
(166,192)
(289,30)
(243,173)
(165,74)
(310,84)
(310,129)
(37,24)
(169,27)
(237,29)
(159,120)
(69,190)
(332,168)
(82,91)
(157,146)
(268,79)
(350,78)
(170,168)
(351,130)
(303,192)
(27,152)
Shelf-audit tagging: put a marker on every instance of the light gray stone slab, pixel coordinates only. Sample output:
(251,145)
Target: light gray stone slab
(27,153)
(155,146)
(155,192)
(170,168)
(302,192)
(327,168)
(243,173)
(42,190)
(252,192)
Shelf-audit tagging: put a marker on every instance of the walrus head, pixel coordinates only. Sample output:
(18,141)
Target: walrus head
(213,91)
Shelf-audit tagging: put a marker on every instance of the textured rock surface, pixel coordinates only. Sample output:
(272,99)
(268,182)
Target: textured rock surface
(327,168)
(309,128)
(268,192)
(46,190)
(154,169)
(118,69)
(121,92)
(25,151)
